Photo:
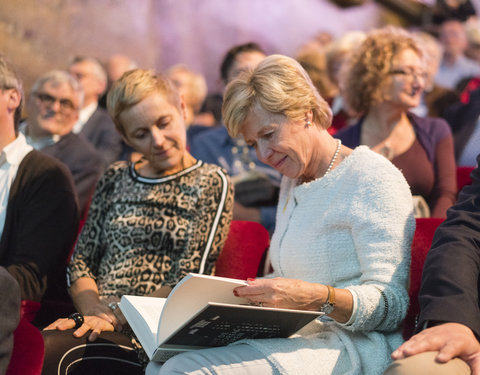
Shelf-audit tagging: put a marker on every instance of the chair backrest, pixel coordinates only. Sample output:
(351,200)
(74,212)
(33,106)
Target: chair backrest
(243,251)
(463,177)
(422,241)
(28,350)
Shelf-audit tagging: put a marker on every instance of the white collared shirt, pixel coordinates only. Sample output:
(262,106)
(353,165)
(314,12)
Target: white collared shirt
(38,143)
(10,158)
(84,114)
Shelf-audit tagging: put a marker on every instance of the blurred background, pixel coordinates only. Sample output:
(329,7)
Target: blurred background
(39,35)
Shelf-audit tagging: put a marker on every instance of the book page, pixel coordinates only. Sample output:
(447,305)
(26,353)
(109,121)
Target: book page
(143,315)
(191,295)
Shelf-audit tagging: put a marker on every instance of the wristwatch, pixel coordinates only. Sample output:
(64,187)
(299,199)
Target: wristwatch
(329,304)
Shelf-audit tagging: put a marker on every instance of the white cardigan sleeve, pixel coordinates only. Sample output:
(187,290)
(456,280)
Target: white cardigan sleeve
(382,229)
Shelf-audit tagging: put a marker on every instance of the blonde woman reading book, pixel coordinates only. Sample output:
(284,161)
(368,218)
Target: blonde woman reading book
(341,243)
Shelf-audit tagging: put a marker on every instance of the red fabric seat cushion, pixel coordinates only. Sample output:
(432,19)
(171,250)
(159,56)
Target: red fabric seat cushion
(422,241)
(28,350)
(243,251)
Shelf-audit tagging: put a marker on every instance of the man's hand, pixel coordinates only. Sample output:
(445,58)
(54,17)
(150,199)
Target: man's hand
(449,339)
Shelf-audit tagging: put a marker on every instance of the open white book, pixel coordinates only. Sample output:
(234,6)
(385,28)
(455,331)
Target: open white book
(202,312)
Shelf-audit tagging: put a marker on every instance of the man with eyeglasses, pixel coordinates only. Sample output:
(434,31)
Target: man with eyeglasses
(94,122)
(38,204)
(52,112)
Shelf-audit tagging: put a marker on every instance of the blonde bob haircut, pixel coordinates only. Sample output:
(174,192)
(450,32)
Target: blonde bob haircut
(133,87)
(368,69)
(280,86)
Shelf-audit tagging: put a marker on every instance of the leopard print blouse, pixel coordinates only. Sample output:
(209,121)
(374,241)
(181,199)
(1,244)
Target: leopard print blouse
(143,233)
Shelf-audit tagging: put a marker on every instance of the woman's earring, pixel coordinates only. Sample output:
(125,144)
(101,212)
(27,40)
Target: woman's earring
(309,123)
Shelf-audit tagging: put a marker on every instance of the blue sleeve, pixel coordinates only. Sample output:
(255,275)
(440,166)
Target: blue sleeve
(267,217)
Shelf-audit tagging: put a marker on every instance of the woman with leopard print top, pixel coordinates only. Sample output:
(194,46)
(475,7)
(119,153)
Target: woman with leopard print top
(150,224)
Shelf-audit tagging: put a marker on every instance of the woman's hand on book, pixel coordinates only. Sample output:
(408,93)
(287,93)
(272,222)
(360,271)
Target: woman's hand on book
(284,293)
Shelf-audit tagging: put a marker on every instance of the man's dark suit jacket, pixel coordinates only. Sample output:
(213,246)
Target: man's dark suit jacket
(84,162)
(462,119)
(41,224)
(100,131)
(451,275)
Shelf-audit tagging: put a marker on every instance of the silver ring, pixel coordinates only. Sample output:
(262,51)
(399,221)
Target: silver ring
(113,306)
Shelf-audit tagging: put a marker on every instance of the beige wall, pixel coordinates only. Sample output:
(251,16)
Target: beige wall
(39,35)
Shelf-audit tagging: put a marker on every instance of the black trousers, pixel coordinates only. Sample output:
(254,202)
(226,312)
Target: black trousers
(112,353)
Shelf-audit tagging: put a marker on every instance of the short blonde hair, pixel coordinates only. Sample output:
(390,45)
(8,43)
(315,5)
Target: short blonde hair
(371,63)
(279,85)
(134,86)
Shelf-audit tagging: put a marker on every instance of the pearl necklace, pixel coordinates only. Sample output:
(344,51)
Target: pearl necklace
(339,144)
(329,168)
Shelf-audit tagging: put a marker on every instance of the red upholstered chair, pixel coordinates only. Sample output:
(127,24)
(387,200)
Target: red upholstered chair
(28,350)
(463,177)
(243,251)
(422,241)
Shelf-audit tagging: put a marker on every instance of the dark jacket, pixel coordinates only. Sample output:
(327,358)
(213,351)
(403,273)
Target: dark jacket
(41,223)
(451,275)
(83,161)
(100,131)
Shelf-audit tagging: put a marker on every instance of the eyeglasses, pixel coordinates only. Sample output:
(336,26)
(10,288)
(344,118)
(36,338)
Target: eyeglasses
(410,73)
(66,105)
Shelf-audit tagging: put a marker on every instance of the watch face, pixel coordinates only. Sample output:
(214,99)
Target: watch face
(327,308)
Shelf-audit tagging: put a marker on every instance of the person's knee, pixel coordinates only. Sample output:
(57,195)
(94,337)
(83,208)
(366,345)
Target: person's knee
(428,365)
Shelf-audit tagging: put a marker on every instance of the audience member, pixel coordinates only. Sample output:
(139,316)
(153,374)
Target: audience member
(314,62)
(10,313)
(464,119)
(115,66)
(384,80)
(449,325)
(340,209)
(337,53)
(256,184)
(38,204)
(455,66)
(435,99)
(193,87)
(52,112)
(472,28)
(150,224)
(94,122)
(210,115)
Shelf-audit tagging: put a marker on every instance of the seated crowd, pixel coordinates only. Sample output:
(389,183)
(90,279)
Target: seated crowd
(122,180)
